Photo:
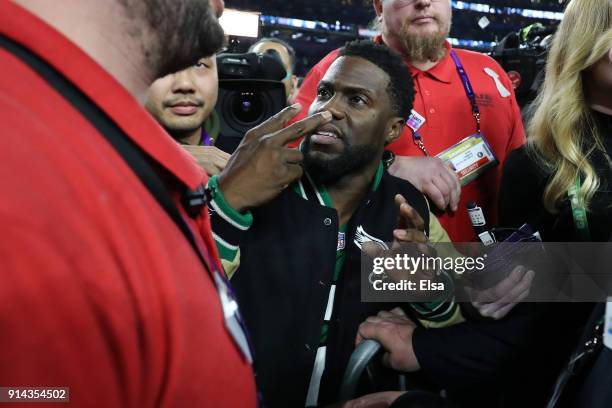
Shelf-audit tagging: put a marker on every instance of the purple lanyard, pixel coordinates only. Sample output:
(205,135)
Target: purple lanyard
(416,136)
(205,141)
(469,91)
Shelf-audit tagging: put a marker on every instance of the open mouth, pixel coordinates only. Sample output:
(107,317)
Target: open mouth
(325,135)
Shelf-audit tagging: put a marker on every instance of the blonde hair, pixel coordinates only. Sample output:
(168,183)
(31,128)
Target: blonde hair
(562,131)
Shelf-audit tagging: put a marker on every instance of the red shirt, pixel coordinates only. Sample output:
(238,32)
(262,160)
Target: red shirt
(441,99)
(100,290)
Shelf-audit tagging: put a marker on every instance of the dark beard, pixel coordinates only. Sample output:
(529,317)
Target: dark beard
(326,172)
(184,31)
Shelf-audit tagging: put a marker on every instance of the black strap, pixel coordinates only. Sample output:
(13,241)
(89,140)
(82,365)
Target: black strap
(586,347)
(133,156)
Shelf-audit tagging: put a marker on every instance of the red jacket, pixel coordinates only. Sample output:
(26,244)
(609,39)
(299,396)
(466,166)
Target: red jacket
(441,99)
(100,290)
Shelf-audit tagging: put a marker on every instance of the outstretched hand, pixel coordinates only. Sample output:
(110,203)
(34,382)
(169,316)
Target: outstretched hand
(497,301)
(262,166)
(409,239)
(410,225)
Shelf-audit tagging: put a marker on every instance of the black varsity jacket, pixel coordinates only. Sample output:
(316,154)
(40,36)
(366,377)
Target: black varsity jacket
(287,257)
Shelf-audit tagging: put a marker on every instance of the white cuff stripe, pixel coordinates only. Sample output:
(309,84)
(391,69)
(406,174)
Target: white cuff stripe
(451,304)
(225,243)
(226,217)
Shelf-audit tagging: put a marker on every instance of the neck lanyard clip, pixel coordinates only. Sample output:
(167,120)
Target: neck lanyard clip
(477,117)
(418,140)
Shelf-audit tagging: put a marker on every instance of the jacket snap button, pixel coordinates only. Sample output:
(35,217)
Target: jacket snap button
(327,221)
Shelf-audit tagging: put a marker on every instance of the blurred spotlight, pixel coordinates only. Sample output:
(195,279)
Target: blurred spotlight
(240,23)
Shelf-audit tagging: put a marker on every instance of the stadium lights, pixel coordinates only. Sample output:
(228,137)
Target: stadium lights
(240,23)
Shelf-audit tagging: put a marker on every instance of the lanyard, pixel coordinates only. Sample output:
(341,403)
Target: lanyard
(206,140)
(469,91)
(579,214)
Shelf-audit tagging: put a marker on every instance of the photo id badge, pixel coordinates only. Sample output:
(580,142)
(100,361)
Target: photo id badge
(607,335)
(415,120)
(231,315)
(470,157)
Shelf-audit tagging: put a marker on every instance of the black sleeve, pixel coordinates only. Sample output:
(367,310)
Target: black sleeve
(527,348)
(475,352)
(520,194)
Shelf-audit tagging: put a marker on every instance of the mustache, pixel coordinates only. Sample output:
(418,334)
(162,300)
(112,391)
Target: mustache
(434,16)
(168,103)
(409,21)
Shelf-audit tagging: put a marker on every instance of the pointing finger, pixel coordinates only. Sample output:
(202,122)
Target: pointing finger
(274,123)
(410,218)
(300,128)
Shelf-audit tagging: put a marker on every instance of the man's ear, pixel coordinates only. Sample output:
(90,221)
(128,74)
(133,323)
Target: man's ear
(294,89)
(394,129)
(377,7)
(294,82)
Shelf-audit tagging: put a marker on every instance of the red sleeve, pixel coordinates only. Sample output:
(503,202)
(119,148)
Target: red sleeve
(308,90)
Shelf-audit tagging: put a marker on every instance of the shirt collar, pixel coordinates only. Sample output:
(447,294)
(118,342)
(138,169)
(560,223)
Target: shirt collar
(321,191)
(63,55)
(443,71)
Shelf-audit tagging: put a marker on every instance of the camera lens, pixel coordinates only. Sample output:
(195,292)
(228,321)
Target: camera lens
(244,104)
(247,107)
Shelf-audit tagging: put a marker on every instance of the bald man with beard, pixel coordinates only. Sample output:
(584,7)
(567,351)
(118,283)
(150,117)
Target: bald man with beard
(111,283)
